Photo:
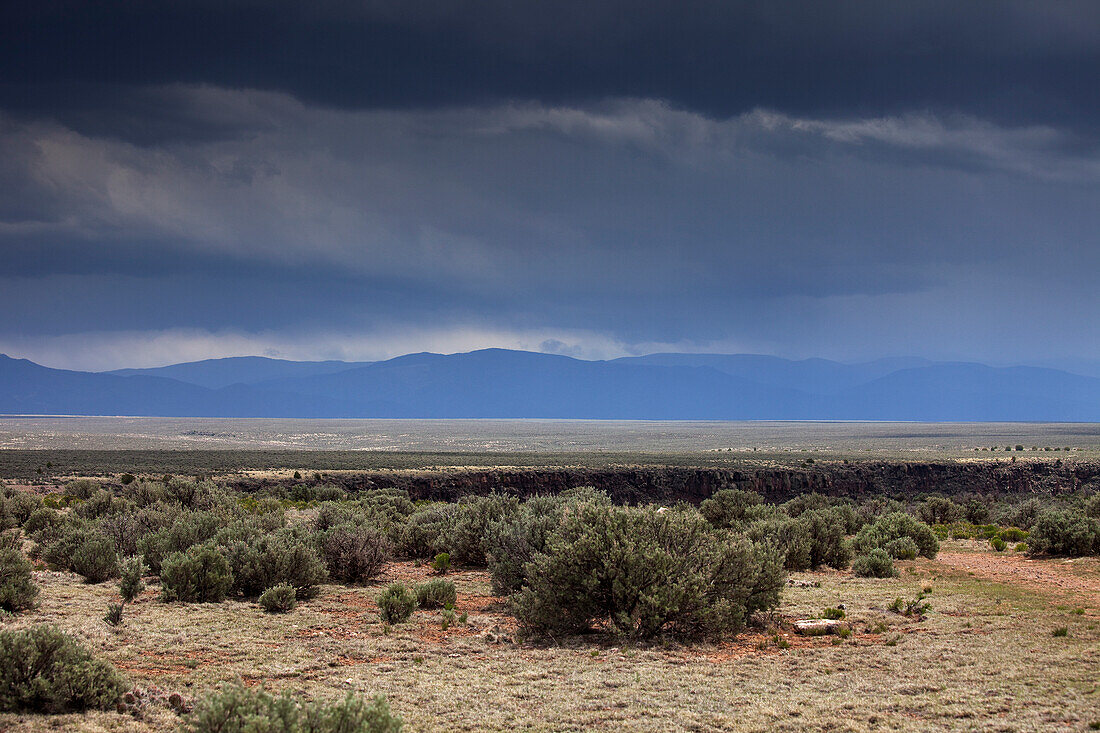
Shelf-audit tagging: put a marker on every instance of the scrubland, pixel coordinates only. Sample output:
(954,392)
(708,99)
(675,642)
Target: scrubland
(569,612)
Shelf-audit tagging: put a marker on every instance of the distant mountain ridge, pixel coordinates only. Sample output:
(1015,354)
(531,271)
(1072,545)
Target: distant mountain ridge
(499,383)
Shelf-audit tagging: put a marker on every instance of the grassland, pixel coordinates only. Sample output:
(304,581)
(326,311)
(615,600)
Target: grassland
(984,657)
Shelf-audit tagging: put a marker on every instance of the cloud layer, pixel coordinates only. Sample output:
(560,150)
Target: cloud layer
(371,178)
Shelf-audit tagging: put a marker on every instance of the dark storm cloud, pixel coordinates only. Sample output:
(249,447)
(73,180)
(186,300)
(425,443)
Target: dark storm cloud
(1010,60)
(356,180)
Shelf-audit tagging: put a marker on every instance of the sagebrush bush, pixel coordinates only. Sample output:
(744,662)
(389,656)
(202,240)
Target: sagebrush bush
(278,598)
(101,503)
(642,572)
(95,559)
(1064,532)
(787,536)
(16,507)
(44,671)
(875,564)
(939,510)
(424,534)
(271,559)
(42,518)
(902,548)
(467,539)
(826,529)
(514,542)
(436,593)
(17,588)
(131,583)
(187,530)
(199,575)
(355,554)
(239,709)
(727,508)
(396,603)
(894,526)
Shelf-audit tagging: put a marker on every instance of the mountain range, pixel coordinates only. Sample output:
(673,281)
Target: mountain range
(499,383)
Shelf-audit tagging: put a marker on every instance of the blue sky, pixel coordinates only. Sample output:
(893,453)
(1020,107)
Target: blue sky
(360,180)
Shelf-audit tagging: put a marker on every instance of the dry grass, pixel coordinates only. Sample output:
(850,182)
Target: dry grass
(983,659)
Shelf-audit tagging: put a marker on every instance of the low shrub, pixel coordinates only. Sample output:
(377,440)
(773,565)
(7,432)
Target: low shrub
(727,508)
(515,542)
(834,614)
(437,593)
(355,554)
(278,598)
(95,559)
(940,510)
(396,603)
(1064,532)
(42,518)
(270,559)
(875,564)
(44,671)
(424,534)
(441,563)
(17,588)
(998,544)
(903,548)
(893,526)
(113,617)
(239,709)
(130,583)
(199,575)
(642,572)
(788,536)
(1012,534)
(467,539)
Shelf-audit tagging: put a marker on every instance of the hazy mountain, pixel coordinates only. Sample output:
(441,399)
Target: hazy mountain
(819,376)
(217,373)
(501,383)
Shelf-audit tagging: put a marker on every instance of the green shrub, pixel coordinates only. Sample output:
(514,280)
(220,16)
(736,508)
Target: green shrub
(441,563)
(113,617)
(514,542)
(95,559)
(101,503)
(903,548)
(396,603)
(1012,534)
(278,598)
(642,572)
(1064,532)
(355,554)
(44,671)
(834,614)
(1020,547)
(17,589)
(199,575)
(131,584)
(42,518)
(939,510)
(788,536)
(424,535)
(893,526)
(1061,631)
(998,544)
(82,488)
(727,508)
(437,593)
(16,507)
(467,540)
(826,528)
(238,709)
(187,530)
(271,559)
(875,564)
(803,503)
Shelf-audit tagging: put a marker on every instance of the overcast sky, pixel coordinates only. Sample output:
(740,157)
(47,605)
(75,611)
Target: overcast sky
(359,180)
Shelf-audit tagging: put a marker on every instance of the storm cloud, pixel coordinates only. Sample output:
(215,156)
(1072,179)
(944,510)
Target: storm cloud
(847,180)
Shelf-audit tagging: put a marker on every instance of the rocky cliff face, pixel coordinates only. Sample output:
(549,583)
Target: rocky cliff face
(856,480)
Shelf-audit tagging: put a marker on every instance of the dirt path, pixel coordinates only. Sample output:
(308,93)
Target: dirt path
(1049,575)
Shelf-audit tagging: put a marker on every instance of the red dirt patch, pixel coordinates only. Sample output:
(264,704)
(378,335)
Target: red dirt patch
(1045,575)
